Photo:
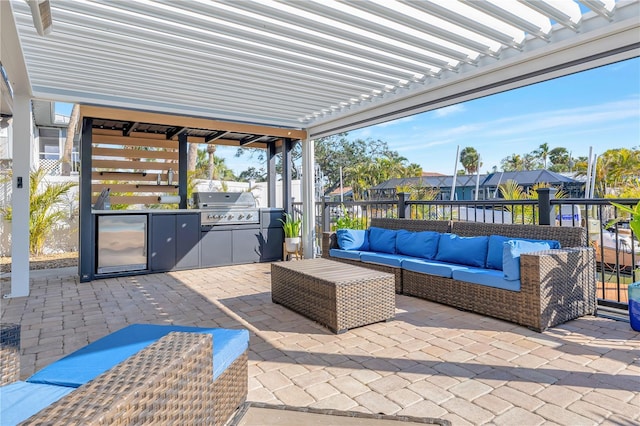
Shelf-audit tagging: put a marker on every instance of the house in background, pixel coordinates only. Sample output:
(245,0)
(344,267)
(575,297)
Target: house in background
(465,185)
(49,132)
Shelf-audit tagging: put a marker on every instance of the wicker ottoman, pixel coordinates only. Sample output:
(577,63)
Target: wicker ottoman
(335,294)
(9,353)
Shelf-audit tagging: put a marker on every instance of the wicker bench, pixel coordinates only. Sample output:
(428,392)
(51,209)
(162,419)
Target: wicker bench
(556,285)
(170,381)
(335,294)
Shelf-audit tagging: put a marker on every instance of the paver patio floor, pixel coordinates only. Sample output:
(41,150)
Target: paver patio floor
(432,360)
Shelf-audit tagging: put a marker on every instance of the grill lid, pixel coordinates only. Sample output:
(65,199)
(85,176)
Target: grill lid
(212,200)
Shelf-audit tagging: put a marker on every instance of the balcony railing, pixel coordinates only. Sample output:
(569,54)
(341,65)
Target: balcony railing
(617,250)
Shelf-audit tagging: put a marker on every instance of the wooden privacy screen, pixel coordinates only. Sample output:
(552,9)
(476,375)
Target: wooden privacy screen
(129,166)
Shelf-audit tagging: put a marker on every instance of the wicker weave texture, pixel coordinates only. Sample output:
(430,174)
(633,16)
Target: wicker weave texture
(9,353)
(169,382)
(335,294)
(556,286)
(411,224)
(567,235)
(397,272)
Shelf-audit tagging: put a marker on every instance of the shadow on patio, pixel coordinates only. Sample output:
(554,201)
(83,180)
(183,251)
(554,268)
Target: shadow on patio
(432,360)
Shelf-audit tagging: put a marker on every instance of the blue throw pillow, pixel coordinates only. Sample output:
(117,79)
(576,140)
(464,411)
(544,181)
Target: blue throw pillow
(418,244)
(382,240)
(496,249)
(470,251)
(511,256)
(352,239)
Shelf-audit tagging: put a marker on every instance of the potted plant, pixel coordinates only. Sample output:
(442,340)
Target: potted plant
(634,288)
(291,229)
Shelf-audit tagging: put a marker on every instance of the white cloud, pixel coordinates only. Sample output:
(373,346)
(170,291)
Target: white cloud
(398,121)
(452,109)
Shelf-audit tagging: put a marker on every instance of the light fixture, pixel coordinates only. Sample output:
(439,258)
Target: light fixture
(41,13)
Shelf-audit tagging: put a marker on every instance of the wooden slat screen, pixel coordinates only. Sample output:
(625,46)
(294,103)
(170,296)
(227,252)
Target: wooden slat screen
(129,167)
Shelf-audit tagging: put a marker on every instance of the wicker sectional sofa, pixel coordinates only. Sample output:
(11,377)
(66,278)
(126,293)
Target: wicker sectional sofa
(142,374)
(555,285)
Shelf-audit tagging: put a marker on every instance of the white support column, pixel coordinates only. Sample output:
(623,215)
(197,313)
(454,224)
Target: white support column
(308,199)
(20,197)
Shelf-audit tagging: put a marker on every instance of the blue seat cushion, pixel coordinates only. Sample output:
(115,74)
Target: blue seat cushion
(470,251)
(487,277)
(346,254)
(352,239)
(496,249)
(511,256)
(382,240)
(89,362)
(388,259)
(417,244)
(21,400)
(432,267)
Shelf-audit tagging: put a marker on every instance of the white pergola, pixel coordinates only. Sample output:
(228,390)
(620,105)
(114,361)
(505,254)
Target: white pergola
(321,66)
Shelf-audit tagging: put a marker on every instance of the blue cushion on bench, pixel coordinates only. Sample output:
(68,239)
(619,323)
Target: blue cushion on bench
(346,254)
(87,363)
(352,239)
(496,249)
(432,267)
(470,251)
(511,256)
(417,244)
(488,277)
(382,240)
(388,259)
(21,400)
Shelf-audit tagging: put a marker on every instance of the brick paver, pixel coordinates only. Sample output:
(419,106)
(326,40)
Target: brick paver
(431,361)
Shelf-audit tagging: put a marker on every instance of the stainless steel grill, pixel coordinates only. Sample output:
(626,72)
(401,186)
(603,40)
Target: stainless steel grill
(226,208)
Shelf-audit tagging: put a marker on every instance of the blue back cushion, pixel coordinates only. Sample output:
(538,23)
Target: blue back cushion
(352,239)
(511,256)
(89,362)
(470,251)
(21,400)
(496,249)
(382,240)
(418,244)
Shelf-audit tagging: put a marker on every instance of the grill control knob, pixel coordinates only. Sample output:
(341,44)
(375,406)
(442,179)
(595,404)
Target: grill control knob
(230,217)
(210,216)
(249,215)
(240,216)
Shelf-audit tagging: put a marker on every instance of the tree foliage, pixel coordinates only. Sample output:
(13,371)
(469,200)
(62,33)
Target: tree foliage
(364,163)
(469,158)
(45,210)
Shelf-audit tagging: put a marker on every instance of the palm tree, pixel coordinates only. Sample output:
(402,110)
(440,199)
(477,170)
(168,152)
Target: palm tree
(512,163)
(65,166)
(44,211)
(542,153)
(469,158)
(560,159)
(211,150)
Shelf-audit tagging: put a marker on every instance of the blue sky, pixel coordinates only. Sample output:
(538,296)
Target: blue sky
(598,108)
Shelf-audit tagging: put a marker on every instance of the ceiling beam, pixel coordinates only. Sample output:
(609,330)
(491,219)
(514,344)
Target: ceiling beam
(182,121)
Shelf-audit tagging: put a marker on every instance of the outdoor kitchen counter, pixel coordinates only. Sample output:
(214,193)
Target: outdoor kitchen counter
(175,239)
(147,211)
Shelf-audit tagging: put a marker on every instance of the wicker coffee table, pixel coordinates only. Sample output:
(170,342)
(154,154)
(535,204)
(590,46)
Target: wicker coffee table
(337,295)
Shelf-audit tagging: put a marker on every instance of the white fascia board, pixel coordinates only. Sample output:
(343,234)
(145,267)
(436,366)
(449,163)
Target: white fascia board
(615,42)
(11,52)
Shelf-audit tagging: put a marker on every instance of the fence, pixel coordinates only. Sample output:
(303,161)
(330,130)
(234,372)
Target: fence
(617,251)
